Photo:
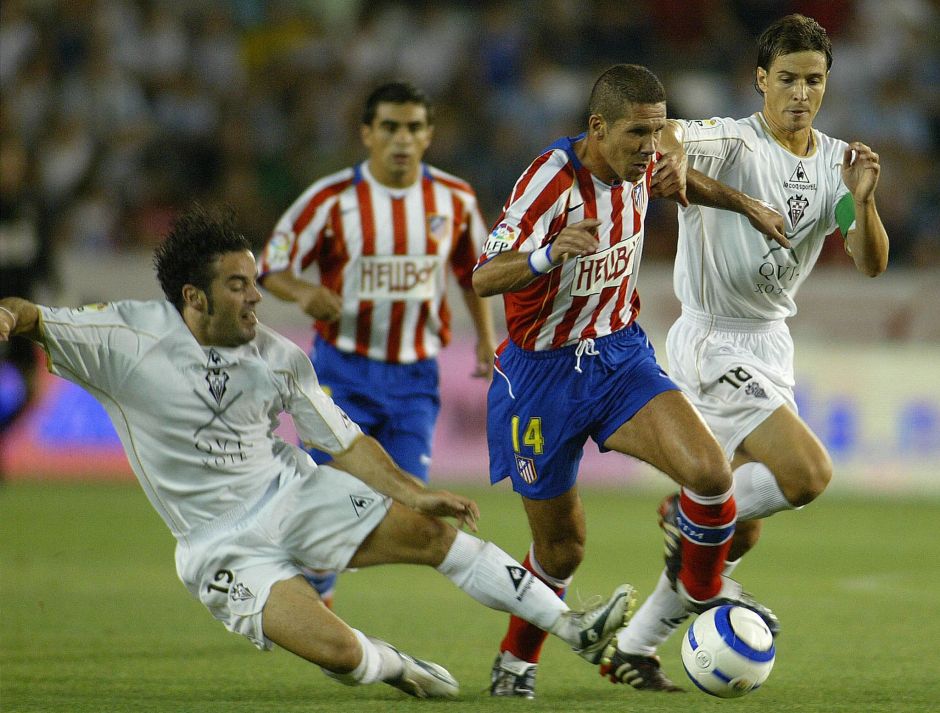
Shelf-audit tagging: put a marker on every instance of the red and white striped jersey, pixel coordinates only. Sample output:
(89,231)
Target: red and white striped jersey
(593,295)
(386,252)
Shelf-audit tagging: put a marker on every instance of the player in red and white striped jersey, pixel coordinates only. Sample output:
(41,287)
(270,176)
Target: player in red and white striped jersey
(565,255)
(367,252)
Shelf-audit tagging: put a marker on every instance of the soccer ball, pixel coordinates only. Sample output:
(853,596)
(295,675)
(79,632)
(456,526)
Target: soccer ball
(728,651)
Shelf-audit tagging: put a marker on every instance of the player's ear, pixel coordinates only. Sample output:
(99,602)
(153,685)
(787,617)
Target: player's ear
(597,126)
(760,80)
(195,298)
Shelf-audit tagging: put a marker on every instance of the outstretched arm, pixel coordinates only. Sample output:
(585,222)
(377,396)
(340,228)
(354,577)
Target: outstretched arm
(18,317)
(368,461)
(867,244)
(706,191)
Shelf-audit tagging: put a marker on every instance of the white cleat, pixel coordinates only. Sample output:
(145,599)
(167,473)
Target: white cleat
(421,679)
(595,627)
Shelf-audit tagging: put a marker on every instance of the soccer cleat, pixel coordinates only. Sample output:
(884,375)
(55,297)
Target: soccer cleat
(596,626)
(421,679)
(672,544)
(644,673)
(731,592)
(512,680)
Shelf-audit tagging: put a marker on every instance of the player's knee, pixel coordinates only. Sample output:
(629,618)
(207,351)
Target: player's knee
(561,558)
(709,475)
(812,479)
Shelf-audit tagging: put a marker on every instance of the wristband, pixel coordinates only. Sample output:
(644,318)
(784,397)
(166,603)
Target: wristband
(540,261)
(10,312)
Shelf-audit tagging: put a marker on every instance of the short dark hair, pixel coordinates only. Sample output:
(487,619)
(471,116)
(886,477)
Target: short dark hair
(623,84)
(198,237)
(793,33)
(398,92)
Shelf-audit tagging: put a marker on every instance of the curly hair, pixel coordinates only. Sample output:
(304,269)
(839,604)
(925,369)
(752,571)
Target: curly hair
(198,237)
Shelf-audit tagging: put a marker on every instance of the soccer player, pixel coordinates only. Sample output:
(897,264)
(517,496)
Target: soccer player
(730,350)
(366,252)
(194,386)
(565,255)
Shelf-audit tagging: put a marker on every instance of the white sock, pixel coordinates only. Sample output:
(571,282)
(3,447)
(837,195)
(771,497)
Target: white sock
(730,566)
(495,579)
(379,663)
(661,614)
(756,492)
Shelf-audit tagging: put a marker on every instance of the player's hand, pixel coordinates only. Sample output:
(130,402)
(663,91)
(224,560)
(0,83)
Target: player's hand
(321,303)
(669,176)
(576,239)
(7,323)
(484,363)
(441,503)
(768,220)
(860,171)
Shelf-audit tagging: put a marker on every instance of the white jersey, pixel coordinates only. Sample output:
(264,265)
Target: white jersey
(724,266)
(197,423)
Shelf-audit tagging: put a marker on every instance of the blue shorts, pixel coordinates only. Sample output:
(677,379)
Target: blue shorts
(540,410)
(397,404)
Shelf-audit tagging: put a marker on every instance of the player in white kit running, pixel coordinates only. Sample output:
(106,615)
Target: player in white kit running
(195,386)
(731,350)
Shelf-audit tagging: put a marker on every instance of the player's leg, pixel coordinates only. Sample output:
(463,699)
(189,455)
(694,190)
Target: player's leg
(490,576)
(558,537)
(411,405)
(295,619)
(670,435)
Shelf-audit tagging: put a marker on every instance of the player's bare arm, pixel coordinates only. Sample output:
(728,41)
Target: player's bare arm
(315,300)
(368,461)
(482,320)
(670,171)
(18,317)
(867,244)
(762,216)
(512,270)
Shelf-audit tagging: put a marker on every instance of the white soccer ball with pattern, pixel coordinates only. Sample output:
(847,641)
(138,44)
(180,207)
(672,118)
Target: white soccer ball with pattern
(728,651)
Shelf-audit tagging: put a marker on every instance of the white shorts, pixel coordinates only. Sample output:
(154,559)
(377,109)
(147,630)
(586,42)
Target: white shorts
(317,519)
(736,372)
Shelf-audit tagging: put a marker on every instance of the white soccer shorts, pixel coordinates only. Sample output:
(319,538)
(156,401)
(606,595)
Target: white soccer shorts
(314,519)
(736,372)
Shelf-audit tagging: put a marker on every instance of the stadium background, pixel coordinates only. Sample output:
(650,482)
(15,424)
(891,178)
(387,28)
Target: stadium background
(127,111)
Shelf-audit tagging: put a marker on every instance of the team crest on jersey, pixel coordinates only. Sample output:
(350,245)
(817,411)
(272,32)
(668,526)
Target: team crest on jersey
(526,468)
(502,238)
(639,198)
(215,377)
(437,227)
(797,205)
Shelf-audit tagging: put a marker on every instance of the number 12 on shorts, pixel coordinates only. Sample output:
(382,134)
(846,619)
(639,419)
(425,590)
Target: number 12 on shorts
(532,436)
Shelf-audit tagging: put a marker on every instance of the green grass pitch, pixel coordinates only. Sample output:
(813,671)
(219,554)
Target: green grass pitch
(94,618)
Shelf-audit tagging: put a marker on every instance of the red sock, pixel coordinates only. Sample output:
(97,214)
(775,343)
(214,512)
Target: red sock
(523,640)
(706,539)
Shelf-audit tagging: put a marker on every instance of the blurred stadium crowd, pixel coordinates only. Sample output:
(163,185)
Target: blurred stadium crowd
(115,113)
